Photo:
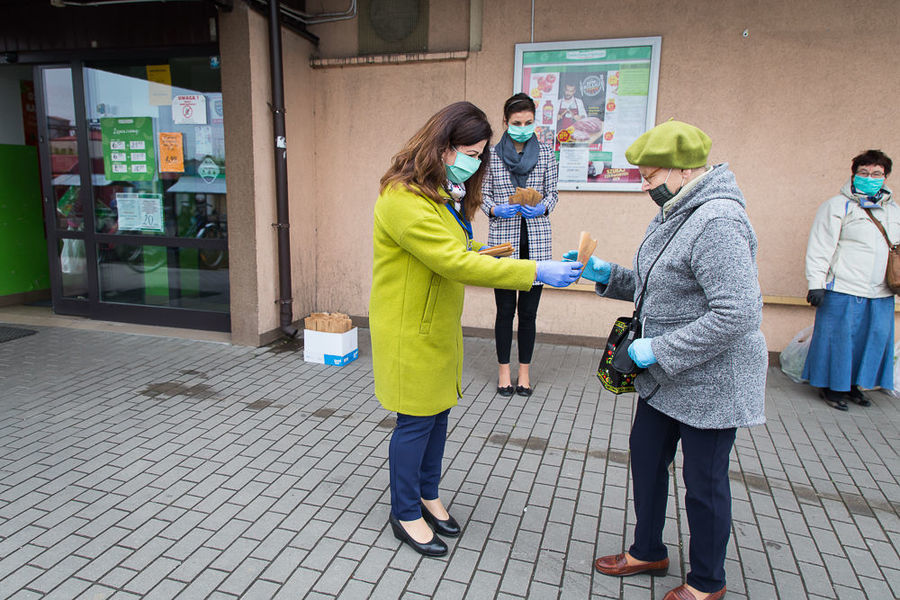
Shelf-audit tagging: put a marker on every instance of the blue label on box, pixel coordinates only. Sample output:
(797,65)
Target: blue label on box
(340,361)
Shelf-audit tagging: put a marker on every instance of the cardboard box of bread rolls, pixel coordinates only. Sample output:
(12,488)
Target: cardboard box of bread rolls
(330,339)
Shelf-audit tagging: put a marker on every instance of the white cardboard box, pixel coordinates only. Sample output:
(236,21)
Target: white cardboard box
(330,348)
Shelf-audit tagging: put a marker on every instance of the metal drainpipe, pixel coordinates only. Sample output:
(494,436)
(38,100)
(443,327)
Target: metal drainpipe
(281,185)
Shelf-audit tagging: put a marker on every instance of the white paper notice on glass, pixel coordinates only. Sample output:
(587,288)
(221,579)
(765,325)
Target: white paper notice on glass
(216,112)
(189,109)
(573,162)
(203,137)
(140,212)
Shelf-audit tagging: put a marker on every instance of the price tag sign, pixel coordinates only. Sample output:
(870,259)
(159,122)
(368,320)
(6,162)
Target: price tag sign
(128,151)
(171,152)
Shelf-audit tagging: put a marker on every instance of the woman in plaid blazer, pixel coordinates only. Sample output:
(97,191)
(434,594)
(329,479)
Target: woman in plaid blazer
(519,160)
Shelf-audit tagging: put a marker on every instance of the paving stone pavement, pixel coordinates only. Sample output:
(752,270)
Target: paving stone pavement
(149,467)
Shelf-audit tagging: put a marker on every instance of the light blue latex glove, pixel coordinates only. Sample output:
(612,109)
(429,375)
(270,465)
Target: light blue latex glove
(505,211)
(595,269)
(641,352)
(530,212)
(557,273)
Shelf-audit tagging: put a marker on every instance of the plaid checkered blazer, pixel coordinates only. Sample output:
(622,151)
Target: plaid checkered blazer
(498,187)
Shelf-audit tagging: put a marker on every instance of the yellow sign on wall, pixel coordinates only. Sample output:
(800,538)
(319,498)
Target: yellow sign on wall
(159,81)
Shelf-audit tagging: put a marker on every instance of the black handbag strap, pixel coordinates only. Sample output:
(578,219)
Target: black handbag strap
(640,302)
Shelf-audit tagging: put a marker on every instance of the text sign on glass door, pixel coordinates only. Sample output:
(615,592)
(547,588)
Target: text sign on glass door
(128,150)
(140,212)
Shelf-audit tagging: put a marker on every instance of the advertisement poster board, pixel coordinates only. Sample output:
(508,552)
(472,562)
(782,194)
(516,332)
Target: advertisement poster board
(128,150)
(593,98)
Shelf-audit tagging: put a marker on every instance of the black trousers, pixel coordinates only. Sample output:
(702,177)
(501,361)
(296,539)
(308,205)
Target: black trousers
(654,438)
(507,303)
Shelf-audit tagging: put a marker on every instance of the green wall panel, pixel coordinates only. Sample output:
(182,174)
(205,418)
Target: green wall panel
(23,248)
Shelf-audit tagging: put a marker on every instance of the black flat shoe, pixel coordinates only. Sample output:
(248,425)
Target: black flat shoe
(434,547)
(506,392)
(448,527)
(523,391)
(858,397)
(833,398)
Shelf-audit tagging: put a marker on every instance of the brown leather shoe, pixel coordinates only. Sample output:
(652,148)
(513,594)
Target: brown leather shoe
(616,566)
(682,593)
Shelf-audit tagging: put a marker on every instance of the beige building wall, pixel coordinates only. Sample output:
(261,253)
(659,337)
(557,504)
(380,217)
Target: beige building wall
(784,104)
(253,248)
(240,64)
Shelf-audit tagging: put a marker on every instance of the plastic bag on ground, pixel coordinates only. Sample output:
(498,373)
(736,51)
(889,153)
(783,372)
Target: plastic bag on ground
(793,357)
(896,391)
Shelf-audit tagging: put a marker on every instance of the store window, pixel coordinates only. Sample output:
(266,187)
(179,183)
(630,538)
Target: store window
(157,150)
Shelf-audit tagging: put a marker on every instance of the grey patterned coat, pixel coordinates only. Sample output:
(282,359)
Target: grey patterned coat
(497,187)
(703,308)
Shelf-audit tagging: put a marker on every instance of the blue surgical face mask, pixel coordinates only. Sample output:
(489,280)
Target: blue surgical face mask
(867,185)
(463,167)
(520,133)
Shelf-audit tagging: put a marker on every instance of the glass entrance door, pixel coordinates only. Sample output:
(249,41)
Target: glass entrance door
(137,190)
(61,168)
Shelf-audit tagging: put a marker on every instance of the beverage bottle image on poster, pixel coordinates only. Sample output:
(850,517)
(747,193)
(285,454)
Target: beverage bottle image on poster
(129,153)
(592,103)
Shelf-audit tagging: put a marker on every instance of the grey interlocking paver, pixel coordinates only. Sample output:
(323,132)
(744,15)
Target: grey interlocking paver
(143,468)
(892,577)
(242,577)
(356,589)
(71,588)
(336,576)
(58,574)
(151,575)
(21,577)
(26,595)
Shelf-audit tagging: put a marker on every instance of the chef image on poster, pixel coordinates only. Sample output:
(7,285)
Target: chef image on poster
(571,108)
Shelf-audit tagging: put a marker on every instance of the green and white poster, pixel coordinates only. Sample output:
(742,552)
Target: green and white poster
(128,150)
(140,212)
(593,99)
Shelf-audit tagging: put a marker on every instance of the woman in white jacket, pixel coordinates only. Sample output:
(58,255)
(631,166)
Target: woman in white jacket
(853,340)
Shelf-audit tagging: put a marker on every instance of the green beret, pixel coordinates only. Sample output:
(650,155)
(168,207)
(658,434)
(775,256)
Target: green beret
(672,145)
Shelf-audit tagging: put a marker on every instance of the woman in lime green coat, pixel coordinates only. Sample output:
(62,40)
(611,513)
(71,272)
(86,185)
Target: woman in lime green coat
(424,256)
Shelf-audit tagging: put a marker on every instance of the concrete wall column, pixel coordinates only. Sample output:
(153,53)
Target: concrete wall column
(249,173)
(251,179)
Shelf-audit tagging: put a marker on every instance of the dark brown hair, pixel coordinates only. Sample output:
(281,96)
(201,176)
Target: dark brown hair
(872,157)
(419,166)
(518,103)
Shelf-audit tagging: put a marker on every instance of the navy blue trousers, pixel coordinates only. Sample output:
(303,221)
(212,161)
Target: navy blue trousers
(654,438)
(415,455)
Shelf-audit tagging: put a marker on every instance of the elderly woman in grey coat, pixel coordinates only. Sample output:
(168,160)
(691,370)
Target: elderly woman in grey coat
(704,355)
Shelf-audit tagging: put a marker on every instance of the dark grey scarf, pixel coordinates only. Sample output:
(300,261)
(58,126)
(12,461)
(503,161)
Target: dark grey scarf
(519,165)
